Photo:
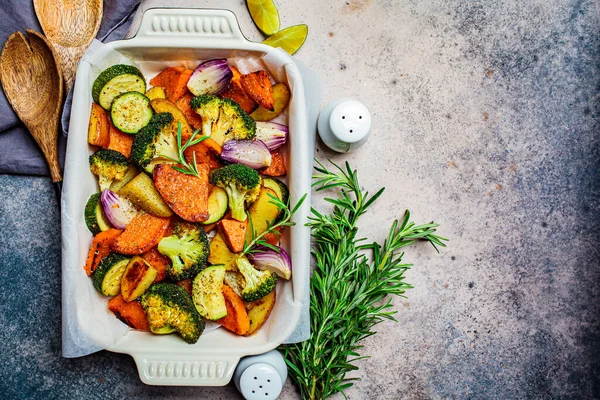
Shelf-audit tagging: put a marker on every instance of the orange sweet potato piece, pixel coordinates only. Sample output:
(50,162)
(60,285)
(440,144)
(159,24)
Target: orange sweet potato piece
(186,195)
(258,86)
(277,167)
(183,103)
(234,233)
(174,81)
(236,319)
(100,248)
(273,238)
(98,131)
(158,261)
(235,92)
(186,284)
(120,141)
(204,155)
(141,234)
(132,313)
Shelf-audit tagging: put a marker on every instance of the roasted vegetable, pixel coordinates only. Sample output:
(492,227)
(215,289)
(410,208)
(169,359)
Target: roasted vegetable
(281,98)
(188,250)
(223,119)
(109,166)
(258,86)
(95,219)
(277,261)
(155,144)
(207,292)
(236,317)
(141,234)
(169,308)
(277,167)
(220,253)
(252,153)
(98,131)
(116,80)
(131,111)
(234,233)
(257,283)
(242,185)
(174,81)
(210,77)
(107,276)
(262,212)
(131,313)
(137,278)
(141,191)
(118,211)
(259,311)
(272,134)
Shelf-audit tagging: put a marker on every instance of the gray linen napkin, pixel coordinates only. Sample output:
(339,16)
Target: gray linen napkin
(19,154)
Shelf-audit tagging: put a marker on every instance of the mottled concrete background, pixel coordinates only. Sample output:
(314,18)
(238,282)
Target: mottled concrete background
(485,120)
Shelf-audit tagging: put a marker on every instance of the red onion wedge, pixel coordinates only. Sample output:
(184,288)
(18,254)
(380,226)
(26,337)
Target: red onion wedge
(252,153)
(272,134)
(118,211)
(210,77)
(271,260)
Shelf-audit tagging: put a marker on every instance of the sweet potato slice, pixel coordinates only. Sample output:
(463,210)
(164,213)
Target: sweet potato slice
(141,234)
(158,261)
(120,141)
(100,248)
(174,81)
(235,92)
(204,155)
(186,195)
(277,167)
(98,131)
(183,103)
(258,86)
(131,313)
(234,233)
(236,319)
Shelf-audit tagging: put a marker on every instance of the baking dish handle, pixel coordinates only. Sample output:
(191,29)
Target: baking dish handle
(185,370)
(190,22)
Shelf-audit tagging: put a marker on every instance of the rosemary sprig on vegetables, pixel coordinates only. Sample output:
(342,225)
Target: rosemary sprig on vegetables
(349,290)
(188,168)
(273,227)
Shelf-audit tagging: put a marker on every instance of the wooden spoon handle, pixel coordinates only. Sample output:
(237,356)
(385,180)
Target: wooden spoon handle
(49,147)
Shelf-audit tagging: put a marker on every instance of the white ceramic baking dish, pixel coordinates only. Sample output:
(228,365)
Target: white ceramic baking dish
(185,35)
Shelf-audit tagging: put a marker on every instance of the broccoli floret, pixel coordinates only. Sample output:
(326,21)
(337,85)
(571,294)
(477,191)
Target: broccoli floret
(242,185)
(169,307)
(108,165)
(258,283)
(154,141)
(223,119)
(188,250)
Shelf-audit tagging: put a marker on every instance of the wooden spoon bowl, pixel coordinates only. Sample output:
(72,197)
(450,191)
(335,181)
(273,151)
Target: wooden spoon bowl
(33,85)
(70,25)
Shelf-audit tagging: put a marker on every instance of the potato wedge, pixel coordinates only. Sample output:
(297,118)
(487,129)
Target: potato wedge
(131,173)
(156,92)
(164,105)
(259,311)
(141,191)
(262,211)
(220,253)
(281,98)
(138,277)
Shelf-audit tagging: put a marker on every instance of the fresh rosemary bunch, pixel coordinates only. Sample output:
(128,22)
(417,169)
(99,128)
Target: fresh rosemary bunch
(188,168)
(350,288)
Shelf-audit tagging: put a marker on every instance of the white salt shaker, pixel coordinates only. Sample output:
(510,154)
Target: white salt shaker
(344,125)
(261,376)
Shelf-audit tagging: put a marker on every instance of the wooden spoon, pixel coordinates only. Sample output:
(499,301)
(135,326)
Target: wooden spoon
(70,25)
(33,85)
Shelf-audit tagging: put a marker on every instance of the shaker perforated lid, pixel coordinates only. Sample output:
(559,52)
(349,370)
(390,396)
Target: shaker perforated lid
(260,381)
(350,121)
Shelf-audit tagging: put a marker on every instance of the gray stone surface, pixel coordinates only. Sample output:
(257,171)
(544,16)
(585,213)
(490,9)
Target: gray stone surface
(485,120)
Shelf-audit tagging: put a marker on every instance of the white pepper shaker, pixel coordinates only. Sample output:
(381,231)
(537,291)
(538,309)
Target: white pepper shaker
(261,376)
(344,125)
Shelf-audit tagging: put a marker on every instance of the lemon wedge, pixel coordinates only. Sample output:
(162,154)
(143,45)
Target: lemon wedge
(289,39)
(265,15)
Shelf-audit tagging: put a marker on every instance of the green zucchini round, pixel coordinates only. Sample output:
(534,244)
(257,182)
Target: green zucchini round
(131,111)
(217,205)
(94,216)
(117,80)
(107,275)
(207,292)
(281,191)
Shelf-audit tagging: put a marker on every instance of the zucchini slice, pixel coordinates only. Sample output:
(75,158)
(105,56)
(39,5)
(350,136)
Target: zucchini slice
(94,216)
(107,275)
(217,205)
(207,292)
(117,80)
(131,111)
